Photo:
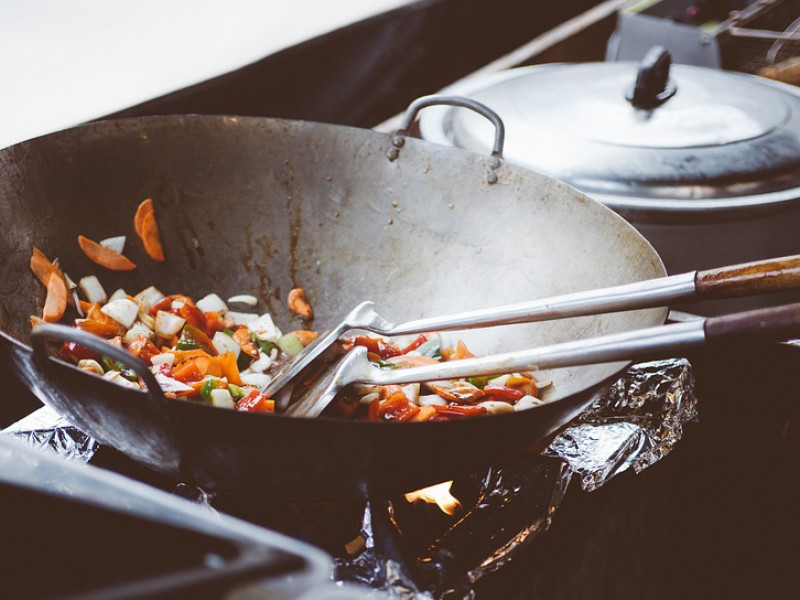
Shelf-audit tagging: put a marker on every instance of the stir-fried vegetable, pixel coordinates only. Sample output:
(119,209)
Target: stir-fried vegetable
(204,352)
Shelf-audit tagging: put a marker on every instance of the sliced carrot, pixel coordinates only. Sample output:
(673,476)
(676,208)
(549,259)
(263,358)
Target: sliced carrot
(184,355)
(196,368)
(103,256)
(187,371)
(143,208)
(43,268)
(210,366)
(228,367)
(144,222)
(56,302)
(97,328)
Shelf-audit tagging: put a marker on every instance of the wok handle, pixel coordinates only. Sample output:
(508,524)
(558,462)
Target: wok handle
(398,139)
(43,332)
(762,276)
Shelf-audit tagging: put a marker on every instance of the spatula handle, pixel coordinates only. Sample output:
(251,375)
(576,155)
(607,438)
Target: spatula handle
(762,276)
(764,324)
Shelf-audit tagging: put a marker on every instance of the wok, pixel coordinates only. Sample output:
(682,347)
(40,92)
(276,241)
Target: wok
(260,205)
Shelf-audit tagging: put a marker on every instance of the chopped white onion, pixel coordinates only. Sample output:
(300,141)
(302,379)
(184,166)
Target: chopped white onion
(77,302)
(117,243)
(90,365)
(240,318)
(118,293)
(165,358)
(412,392)
(264,328)
(247,299)
(123,311)
(168,324)
(138,328)
(496,407)
(501,380)
(368,398)
(116,377)
(527,402)
(225,343)
(362,389)
(257,380)
(432,400)
(222,398)
(150,295)
(170,384)
(261,364)
(210,303)
(92,289)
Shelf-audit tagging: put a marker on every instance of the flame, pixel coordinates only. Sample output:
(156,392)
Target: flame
(438,494)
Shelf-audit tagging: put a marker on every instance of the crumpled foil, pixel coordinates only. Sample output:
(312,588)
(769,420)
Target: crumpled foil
(45,428)
(407,551)
(635,423)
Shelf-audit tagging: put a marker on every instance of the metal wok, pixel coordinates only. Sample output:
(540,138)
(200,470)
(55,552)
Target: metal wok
(257,205)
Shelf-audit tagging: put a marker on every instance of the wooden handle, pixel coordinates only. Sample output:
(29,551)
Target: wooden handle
(771,275)
(765,324)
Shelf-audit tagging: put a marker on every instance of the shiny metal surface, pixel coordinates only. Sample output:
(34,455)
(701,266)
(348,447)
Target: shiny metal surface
(728,139)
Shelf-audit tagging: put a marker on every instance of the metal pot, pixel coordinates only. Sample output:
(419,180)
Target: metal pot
(264,205)
(705,163)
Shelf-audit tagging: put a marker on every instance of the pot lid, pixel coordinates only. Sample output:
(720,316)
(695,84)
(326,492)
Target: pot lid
(649,131)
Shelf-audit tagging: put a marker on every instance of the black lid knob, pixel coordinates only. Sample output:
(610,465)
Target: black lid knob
(653,86)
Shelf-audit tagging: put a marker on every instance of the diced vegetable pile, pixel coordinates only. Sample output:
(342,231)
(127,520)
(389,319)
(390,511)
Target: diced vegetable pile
(205,351)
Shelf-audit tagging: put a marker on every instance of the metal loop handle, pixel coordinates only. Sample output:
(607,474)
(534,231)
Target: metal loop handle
(398,139)
(43,332)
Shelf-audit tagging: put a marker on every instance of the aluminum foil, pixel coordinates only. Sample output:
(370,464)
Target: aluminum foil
(45,428)
(634,424)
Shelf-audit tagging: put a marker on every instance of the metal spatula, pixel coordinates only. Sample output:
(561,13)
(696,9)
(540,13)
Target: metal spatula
(737,280)
(650,343)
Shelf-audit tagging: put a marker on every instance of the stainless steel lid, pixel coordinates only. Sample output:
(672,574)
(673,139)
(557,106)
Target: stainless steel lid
(701,137)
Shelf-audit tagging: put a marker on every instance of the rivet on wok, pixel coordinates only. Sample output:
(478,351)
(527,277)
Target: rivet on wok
(393,153)
(491,177)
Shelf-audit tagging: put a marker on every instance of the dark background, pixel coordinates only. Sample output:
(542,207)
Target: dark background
(716,518)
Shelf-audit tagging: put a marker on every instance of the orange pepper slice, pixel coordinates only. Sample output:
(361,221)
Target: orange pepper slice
(228,368)
(103,256)
(144,222)
(56,302)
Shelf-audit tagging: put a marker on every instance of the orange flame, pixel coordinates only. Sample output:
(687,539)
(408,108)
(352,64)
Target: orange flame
(438,494)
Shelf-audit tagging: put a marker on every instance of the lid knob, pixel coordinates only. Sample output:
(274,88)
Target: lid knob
(653,86)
